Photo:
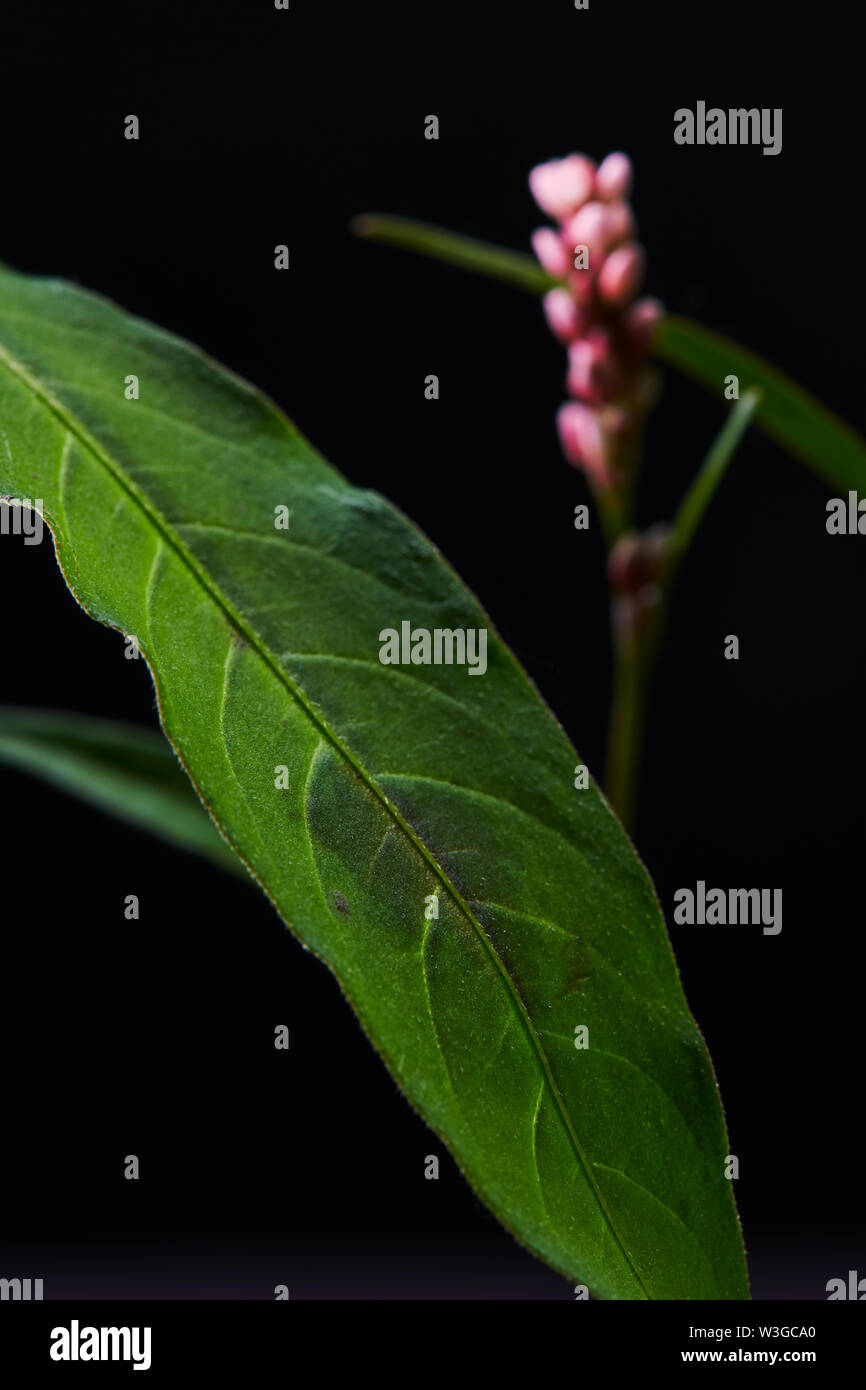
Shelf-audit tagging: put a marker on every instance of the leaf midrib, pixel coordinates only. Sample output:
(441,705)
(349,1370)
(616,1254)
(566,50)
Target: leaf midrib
(74,427)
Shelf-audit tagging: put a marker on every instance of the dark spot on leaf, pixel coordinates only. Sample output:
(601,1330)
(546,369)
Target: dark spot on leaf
(341,905)
(576,984)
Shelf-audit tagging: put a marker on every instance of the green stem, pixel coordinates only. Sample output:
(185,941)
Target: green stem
(625,737)
(634,663)
(612,513)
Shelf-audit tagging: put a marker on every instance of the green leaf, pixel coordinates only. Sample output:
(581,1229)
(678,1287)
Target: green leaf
(428,844)
(788,413)
(123,769)
(468,253)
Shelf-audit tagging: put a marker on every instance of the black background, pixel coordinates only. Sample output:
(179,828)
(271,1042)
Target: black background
(261,127)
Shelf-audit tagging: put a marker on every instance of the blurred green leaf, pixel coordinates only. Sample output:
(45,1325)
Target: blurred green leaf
(123,769)
(482,257)
(787,412)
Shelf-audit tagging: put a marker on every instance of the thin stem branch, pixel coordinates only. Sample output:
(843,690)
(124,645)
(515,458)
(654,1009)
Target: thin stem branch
(712,470)
(637,629)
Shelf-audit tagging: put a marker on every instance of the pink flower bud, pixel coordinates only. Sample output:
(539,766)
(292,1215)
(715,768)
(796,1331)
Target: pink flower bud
(613,179)
(589,227)
(560,186)
(583,442)
(620,222)
(640,324)
(550,251)
(593,371)
(638,560)
(563,315)
(581,284)
(621,274)
(623,561)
